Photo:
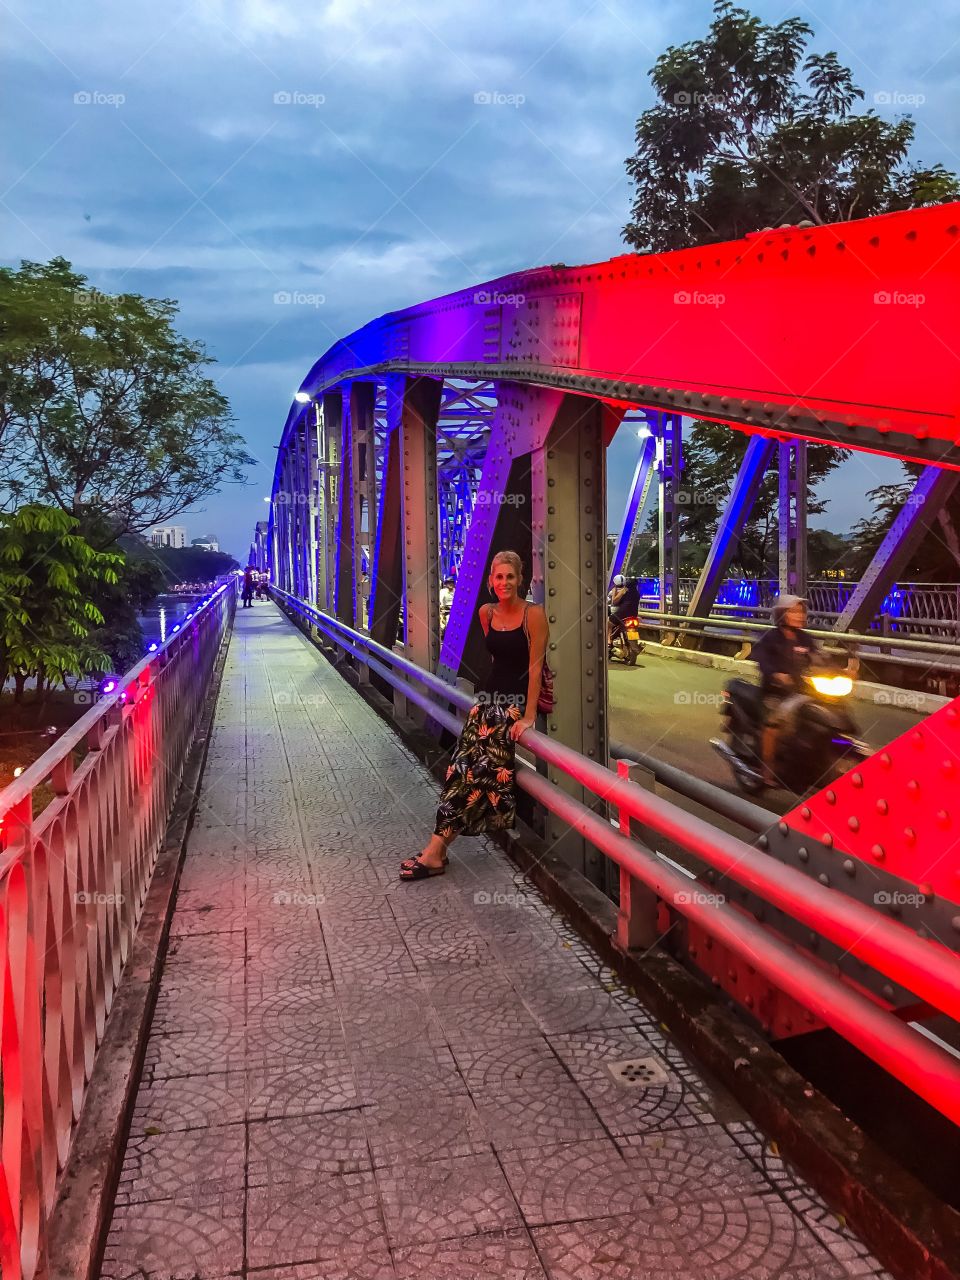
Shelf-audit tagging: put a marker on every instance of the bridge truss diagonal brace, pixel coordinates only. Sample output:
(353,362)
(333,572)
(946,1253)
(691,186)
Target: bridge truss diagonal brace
(331,413)
(633,513)
(386,577)
(934,486)
(417,402)
(736,513)
(344,603)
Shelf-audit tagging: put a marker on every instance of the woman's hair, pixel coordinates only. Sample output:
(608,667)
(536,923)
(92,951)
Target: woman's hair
(511,558)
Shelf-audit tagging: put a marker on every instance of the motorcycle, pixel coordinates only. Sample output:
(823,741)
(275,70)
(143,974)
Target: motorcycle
(822,744)
(625,644)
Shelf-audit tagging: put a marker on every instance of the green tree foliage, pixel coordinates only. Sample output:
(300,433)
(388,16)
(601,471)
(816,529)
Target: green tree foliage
(49,575)
(105,410)
(750,131)
(938,557)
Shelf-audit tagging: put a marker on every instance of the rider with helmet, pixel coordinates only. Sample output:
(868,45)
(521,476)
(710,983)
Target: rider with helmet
(783,654)
(624,601)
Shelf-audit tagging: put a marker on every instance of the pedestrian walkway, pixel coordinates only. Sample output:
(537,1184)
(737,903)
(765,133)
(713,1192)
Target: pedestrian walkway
(352,1078)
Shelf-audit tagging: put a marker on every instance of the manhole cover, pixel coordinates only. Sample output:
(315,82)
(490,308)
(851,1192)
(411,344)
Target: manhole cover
(638,1073)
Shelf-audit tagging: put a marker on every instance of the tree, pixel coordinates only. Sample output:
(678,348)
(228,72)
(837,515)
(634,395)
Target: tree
(749,132)
(738,141)
(105,407)
(48,573)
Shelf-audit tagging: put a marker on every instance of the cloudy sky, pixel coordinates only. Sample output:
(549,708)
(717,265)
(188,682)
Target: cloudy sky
(221,152)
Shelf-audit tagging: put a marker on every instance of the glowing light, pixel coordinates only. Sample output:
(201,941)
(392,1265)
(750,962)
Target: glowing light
(108,686)
(832,686)
(152,647)
(644,433)
(18,770)
(303,397)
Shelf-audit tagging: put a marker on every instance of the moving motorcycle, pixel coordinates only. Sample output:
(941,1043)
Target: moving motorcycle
(625,644)
(822,743)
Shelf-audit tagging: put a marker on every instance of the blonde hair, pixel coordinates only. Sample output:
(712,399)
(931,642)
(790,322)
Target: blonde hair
(512,559)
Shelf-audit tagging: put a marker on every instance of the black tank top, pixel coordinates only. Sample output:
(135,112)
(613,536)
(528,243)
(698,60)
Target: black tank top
(510,663)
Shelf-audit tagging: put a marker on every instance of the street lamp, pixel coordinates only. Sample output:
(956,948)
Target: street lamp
(303,397)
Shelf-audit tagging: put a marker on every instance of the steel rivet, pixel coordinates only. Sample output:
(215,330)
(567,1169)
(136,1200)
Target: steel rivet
(803,854)
(805,812)
(850,867)
(853,824)
(877,852)
(857,779)
(882,806)
(823,878)
(831,797)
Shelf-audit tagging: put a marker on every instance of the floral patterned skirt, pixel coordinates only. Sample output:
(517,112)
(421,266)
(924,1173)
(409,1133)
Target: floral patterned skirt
(479,792)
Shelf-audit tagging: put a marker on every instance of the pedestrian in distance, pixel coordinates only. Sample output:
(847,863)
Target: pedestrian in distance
(249,585)
(479,795)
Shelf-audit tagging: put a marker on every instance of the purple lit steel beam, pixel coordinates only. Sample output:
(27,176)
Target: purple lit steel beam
(636,499)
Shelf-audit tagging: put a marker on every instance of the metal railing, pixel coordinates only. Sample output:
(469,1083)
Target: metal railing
(73,881)
(924,967)
(909,608)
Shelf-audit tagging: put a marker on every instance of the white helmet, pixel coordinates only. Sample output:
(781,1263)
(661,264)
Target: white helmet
(618,580)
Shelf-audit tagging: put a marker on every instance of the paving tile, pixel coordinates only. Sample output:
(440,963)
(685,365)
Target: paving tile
(625,1110)
(692,1164)
(193,1102)
(370,1263)
(571,1181)
(211,1050)
(444,1198)
(426,1125)
(633,1246)
(313,1221)
(505,1255)
(300,1088)
(192,1164)
(298,1148)
(175,1240)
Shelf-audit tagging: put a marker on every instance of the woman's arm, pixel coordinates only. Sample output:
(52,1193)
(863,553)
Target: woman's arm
(538,634)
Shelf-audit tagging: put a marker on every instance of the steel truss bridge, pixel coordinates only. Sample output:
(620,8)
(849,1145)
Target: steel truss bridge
(436,436)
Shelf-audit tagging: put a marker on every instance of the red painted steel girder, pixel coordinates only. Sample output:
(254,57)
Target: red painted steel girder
(846,333)
(899,810)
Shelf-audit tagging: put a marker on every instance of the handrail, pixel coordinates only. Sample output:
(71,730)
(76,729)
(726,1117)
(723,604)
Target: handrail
(648,618)
(752,816)
(73,882)
(924,967)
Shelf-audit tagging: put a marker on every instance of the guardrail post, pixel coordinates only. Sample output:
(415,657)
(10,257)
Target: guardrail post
(401,709)
(637,918)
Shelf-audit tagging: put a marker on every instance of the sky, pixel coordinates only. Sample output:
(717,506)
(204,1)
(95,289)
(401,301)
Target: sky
(224,153)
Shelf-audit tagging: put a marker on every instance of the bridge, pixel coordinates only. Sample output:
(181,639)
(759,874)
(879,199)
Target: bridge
(234,1044)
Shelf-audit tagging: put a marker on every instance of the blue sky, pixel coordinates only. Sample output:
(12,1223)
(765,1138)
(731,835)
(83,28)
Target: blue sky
(221,153)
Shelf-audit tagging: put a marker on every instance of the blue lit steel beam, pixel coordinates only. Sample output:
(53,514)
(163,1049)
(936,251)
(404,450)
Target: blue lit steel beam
(934,487)
(736,513)
(636,501)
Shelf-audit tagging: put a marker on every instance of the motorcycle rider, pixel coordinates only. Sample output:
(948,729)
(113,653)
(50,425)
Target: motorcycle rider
(624,602)
(783,654)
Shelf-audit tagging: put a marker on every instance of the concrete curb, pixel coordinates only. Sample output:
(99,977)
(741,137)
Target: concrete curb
(884,695)
(913,1234)
(81,1216)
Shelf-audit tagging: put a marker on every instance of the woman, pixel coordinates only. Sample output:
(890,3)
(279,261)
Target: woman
(479,794)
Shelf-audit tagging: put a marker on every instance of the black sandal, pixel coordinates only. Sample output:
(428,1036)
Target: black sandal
(408,862)
(420,871)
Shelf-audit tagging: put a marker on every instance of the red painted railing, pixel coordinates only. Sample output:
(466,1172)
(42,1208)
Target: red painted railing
(73,881)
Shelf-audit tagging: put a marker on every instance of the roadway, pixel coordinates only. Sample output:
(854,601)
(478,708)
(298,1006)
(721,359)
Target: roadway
(670,708)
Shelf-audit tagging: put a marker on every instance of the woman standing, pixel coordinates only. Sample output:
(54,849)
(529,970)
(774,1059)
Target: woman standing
(479,794)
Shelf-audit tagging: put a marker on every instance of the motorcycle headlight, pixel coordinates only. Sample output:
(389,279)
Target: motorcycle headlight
(832,686)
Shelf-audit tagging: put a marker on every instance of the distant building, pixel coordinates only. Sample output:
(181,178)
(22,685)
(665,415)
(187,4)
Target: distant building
(169,535)
(208,543)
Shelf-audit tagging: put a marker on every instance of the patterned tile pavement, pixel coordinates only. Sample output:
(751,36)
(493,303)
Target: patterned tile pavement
(350,1078)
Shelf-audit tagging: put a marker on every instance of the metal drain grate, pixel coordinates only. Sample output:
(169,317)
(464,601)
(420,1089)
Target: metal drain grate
(638,1073)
